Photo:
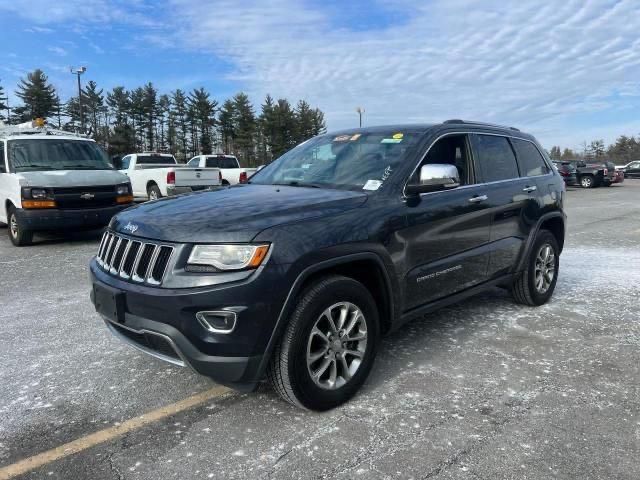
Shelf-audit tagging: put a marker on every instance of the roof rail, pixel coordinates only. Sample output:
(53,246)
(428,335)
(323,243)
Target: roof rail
(14,130)
(468,122)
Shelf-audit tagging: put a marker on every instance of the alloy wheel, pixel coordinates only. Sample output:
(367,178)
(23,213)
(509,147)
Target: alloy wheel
(337,345)
(13,226)
(545,268)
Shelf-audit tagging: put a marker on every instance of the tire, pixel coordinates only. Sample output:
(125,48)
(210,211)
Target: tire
(587,181)
(225,183)
(18,235)
(527,290)
(302,349)
(153,192)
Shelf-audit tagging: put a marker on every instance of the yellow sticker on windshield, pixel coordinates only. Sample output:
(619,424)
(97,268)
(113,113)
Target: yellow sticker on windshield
(398,136)
(342,138)
(356,137)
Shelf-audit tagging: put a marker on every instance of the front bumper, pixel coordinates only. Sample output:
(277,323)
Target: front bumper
(162,323)
(61,219)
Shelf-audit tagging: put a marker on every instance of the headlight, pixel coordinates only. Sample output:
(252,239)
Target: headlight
(123,189)
(228,257)
(38,193)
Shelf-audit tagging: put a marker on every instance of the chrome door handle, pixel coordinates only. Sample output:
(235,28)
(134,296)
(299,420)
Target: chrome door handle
(478,199)
(529,189)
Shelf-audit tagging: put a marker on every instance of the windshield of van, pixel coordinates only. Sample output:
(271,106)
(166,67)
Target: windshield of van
(33,154)
(358,160)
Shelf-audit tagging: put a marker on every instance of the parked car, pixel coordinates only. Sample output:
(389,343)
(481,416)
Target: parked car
(567,171)
(229,167)
(593,174)
(631,169)
(157,175)
(53,180)
(296,274)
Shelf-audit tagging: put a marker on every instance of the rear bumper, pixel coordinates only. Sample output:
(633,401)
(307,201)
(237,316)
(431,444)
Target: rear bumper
(58,219)
(173,190)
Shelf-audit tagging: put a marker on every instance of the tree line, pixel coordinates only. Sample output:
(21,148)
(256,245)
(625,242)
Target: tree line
(179,122)
(624,150)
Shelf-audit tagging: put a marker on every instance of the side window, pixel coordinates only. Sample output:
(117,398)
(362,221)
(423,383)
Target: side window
(212,162)
(227,162)
(124,163)
(452,150)
(194,162)
(3,165)
(529,159)
(495,158)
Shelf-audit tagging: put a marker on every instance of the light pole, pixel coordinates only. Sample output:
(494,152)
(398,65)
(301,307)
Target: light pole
(79,71)
(360,111)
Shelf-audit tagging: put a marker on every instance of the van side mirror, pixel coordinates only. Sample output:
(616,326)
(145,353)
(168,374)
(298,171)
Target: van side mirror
(434,177)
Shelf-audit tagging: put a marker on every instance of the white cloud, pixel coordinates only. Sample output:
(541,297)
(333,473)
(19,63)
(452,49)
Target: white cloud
(58,51)
(534,64)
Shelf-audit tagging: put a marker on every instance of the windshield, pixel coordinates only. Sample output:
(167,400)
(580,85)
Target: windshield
(56,154)
(359,160)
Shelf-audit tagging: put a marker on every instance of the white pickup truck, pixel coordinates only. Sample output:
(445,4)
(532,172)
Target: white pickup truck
(229,166)
(156,175)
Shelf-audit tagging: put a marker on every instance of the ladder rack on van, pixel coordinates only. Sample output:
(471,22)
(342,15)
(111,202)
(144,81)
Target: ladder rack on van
(26,129)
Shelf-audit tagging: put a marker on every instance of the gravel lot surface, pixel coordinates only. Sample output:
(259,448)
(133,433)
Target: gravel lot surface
(484,389)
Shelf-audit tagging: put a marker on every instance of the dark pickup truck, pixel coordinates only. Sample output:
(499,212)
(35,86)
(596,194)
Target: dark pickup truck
(594,174)
(296,275)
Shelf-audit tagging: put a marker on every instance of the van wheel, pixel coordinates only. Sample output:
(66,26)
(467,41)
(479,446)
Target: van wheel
(536,284)
(153,192)
(329,345)
(587,181)
(19,236)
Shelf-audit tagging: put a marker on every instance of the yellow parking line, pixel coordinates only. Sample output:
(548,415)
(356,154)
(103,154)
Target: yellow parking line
(93,439)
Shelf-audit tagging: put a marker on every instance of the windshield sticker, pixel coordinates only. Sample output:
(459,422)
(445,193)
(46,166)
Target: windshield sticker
(387,173)
(342,138)
(305,166)
(398,136)
(356,137)
(372,185)
(391,140)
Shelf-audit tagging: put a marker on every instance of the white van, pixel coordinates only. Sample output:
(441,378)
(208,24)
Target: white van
(55,180)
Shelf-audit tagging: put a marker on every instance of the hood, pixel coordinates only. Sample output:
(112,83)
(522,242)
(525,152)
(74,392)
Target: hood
(71,178)
(235,214)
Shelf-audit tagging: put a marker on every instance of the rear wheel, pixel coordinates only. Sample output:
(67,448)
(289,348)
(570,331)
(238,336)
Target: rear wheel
(153,192)
(538,281)
(18,234)
(587,181)
(328,348)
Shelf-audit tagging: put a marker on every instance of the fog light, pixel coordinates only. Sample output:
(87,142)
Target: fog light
(217,322)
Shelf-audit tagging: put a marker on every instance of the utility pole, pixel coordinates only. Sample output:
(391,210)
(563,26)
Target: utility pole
(79,71)
(360,111)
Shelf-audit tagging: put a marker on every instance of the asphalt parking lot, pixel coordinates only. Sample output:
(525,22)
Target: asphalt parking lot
(484,389)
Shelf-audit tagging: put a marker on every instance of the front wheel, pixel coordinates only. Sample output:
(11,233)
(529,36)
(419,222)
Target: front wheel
(329,345)
(536,284)
(18,234)
(587,181)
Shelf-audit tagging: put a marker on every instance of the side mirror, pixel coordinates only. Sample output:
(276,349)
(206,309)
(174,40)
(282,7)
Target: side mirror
(434,177)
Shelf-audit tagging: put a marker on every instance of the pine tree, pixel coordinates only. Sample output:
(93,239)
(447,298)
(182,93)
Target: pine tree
(93,105)
(38,96)
(179,112)
(227,126)
(244,121)
(304,122)
(149,109)
(119,102)
(203,111)
(555,153)
(3,105)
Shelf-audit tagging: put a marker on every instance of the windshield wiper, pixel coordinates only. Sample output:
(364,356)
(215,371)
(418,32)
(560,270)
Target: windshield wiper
(35,165)
(295,183)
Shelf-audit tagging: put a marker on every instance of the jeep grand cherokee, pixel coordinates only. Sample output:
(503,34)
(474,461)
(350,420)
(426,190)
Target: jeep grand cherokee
(296,275)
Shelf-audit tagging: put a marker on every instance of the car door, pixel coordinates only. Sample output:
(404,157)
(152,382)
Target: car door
(633,170)
(512,199)
(447,232)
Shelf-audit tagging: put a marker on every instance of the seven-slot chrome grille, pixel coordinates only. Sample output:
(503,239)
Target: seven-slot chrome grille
(135,260)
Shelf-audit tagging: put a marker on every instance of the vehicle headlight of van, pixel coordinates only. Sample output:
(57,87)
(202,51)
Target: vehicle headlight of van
(36,197)
(212,258)
(124,189)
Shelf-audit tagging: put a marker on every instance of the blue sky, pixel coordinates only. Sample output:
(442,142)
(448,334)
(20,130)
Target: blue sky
(567,71)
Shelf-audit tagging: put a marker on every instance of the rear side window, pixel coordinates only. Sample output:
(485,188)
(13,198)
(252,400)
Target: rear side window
(227,162)
(211,162)
(155,159)
(529,158)
(194,162)
(495,158)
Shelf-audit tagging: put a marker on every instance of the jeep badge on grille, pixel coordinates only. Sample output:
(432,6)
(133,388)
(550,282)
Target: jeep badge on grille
(130,227)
